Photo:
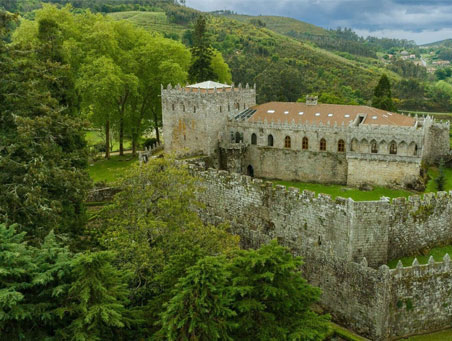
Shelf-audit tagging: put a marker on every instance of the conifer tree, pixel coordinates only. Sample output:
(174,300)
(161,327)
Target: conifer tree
(382,98)
(202,54)
(272,300)
(96,298)
(201,307)
(441,179)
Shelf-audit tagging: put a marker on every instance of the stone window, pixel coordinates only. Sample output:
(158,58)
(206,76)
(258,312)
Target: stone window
(232,136)
(183,107)
(229,107)
(237,105)
(254,139)
(374,147)
(341,146)
(305,143)
(415,149)
(244,106)
(221,109)
(194,109)
(237,137)
(393,148)
(270,140)
(323,144)
(172,106)
(287,142)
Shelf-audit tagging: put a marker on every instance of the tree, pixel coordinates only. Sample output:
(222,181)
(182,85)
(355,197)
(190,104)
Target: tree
(96,298)
(382,95)
(43,157)
(154,224)
(202,54)
(272,300)
(201,306)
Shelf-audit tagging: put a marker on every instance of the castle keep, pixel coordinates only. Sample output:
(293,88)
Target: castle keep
(345,244)
(310,142)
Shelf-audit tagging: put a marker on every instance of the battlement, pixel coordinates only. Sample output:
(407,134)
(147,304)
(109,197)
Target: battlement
(178,90)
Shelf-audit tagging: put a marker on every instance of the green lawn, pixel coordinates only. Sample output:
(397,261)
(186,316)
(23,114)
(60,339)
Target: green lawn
(112,169)
(445,335)
(437,253)
(348,192)
(95,137)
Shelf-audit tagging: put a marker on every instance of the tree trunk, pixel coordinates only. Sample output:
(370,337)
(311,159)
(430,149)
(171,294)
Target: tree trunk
(107,139)
(157,134)
(134,143)
(121,135)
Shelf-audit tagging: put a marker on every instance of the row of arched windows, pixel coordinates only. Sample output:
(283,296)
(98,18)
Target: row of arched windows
(304,144)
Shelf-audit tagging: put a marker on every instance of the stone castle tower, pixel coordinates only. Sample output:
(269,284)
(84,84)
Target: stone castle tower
(195,115)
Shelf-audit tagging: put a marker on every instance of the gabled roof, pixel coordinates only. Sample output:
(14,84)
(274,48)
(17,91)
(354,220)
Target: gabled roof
(302,113)
(209,85)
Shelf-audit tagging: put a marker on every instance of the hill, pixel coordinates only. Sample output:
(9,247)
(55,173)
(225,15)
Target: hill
(284,68)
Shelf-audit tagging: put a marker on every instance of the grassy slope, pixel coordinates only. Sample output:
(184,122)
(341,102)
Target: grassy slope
(112,169)
(445,335)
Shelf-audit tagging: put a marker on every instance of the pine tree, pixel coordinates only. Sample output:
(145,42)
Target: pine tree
(202,54)
(96,298)
(272,300)
(382,95)
(201,306)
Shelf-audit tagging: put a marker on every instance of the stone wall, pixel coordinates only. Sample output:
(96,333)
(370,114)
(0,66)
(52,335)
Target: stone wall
(420,298)
(193,119)
(437,140)
(383,171)
(334,235)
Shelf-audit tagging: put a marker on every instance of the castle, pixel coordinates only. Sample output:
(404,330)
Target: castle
(310,142)
(345,244)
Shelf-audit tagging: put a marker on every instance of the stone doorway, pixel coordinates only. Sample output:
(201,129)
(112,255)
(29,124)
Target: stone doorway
(250,171)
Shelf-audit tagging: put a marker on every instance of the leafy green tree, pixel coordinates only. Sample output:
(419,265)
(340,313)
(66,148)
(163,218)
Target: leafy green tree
(272,300)
(43,153)
(382,95)
(202,54)
(154,224)
(201,306)
(96,298)
(220,68)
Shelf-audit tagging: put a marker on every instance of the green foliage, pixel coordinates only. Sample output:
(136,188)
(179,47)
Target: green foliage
(201,306)
(42,150)
(202,54)
(272,300)
(153,222)
(382,95)
(441,179)
(96,298)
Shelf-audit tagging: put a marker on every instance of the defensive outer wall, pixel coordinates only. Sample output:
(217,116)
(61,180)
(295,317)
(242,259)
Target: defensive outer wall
(345,245)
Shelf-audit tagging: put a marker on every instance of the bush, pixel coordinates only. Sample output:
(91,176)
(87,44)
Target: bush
(150,143)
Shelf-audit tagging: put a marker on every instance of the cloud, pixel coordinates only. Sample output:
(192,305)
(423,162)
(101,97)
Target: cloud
(419,20)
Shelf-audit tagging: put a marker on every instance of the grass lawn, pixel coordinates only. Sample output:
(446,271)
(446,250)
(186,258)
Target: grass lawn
(437,253)
(112,169)
(96,137)
(445,335)
(348,192)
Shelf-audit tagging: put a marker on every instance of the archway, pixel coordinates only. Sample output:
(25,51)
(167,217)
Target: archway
(250,171)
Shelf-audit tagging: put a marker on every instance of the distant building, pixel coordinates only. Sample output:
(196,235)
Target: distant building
(325,143)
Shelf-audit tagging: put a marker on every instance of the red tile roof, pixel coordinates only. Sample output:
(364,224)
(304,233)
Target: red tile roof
(314,114)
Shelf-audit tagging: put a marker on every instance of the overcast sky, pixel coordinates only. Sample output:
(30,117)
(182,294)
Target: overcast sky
(423,21)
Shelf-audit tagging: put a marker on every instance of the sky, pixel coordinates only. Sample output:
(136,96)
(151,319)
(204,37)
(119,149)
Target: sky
(423,21)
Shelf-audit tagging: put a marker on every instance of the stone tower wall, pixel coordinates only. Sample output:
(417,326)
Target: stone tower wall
(193,119)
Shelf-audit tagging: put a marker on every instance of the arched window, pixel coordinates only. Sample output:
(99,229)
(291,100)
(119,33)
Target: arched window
(287,142)
(341,146)
(232,136)
(237,137)
(374,147)
(229,107)
(393,148)
(254,139)
(270,140)
(322,144)
(305,143)
(415,149)
(221,109)
(172,106)
(194,109)
(183,107)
